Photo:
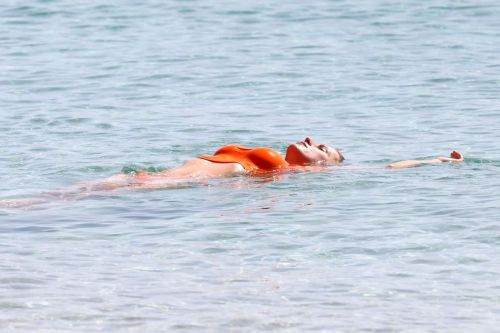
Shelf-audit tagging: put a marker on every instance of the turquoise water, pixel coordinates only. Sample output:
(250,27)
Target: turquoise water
(89,88)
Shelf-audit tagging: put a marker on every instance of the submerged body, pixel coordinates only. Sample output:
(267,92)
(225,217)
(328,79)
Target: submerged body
(229,160)
(234,160)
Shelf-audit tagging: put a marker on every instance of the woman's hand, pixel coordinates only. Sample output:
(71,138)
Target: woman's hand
(455,157)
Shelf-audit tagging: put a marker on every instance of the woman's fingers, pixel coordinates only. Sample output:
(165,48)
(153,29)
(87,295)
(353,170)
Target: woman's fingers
(456,155)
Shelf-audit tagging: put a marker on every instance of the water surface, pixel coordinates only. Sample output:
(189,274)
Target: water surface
(91,87)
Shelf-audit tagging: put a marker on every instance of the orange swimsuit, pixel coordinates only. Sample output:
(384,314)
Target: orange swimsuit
(254,160)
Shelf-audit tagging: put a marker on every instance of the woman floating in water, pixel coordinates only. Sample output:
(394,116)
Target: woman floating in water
(229,160)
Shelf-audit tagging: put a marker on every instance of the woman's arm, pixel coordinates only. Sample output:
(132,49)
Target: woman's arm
(455,157)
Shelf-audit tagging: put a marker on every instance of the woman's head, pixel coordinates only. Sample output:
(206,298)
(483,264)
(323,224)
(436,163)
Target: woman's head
(308,152)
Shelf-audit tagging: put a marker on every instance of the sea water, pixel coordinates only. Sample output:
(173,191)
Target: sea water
(91,87)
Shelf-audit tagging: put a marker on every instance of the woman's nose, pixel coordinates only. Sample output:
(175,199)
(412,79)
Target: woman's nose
(309,141)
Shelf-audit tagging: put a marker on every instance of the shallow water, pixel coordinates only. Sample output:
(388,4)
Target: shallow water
(89,88)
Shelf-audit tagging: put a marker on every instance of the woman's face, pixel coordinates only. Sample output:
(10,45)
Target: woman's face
(307,152)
